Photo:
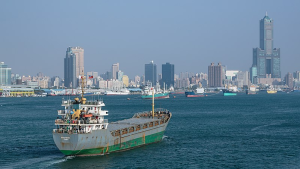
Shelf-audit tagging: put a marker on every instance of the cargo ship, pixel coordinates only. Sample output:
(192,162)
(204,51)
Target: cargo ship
(148,93)
(198,93)
(82,129)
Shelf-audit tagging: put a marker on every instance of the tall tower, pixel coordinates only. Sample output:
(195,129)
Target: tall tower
(79,52)
(114,70)
(5,75)
(266,59)
(167,75)
(70,69)
(215,75)
(150,73)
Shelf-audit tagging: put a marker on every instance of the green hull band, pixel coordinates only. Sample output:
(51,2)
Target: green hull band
(229,94)
(118,147)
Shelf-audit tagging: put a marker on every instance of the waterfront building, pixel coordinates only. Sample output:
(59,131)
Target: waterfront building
(137,80)
(242,79)
(289,80)
(14,92)
(32,84)
(55,82)
(150,73)
(231,74)
(120,75)
(182,83)
(296,76)
(215,75)
(114,70)
(168,75)
(5,75)
(266,59)
(125,80)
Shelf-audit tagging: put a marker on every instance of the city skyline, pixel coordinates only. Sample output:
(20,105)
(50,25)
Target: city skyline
(188,34)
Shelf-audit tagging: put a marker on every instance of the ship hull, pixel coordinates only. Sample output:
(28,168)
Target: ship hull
(229,94)
(102,142)
(250,92)
(193,94)
(196,95)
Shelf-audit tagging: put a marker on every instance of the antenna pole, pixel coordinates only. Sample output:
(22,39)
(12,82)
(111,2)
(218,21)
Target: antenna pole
(82,85)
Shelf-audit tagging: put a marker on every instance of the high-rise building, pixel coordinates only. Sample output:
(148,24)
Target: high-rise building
(114,70)
(296,75)
(79,52)
(70,78)
(266,59)
(289,80)
(150,73)
(168,74)
(73,66)
(215,75)
(125,80)
(5,75)
(119,75)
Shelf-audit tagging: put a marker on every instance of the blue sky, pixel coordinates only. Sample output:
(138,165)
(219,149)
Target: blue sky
(34,35)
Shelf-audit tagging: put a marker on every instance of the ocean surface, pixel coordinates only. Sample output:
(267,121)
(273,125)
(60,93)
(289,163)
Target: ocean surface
(244,131)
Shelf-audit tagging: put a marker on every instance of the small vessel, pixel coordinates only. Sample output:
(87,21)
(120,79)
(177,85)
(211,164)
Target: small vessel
(147,93)
(117,92)
(198,93)
(251,90)
(231,91)
(271,91)
(82,129)
(227,92)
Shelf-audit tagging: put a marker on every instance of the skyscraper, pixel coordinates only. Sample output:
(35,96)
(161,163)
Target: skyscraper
(215,75)
(167,75)
(5,75)
(70,78)
(73,66)
(114,70)
(79,52)
(266,59)
(150,73)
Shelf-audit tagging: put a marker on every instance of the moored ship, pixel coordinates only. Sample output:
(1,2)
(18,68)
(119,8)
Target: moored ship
(198,93)
(117,92)
(83,130)
(230,91)
(148,92)
(251,90)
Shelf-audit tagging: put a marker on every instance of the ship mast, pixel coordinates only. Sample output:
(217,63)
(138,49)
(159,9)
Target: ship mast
(82,85)
(152,102)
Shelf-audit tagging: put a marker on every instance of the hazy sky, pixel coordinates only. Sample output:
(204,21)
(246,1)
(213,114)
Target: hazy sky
(34,35)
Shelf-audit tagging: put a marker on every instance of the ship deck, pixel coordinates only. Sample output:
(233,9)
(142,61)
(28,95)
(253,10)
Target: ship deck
(129,122)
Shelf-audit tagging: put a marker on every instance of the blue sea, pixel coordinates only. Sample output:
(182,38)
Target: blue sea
(244,131)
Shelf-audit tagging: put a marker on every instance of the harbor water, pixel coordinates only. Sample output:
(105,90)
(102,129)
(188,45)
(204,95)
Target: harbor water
(243,131)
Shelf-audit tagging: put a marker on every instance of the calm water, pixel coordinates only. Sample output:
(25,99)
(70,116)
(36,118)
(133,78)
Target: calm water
(255,131)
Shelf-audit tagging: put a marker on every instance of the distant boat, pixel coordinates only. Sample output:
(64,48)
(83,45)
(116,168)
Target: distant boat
(227,92)
(118,92)
(251,90)
(198,93)
(271,91)
(147,94)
